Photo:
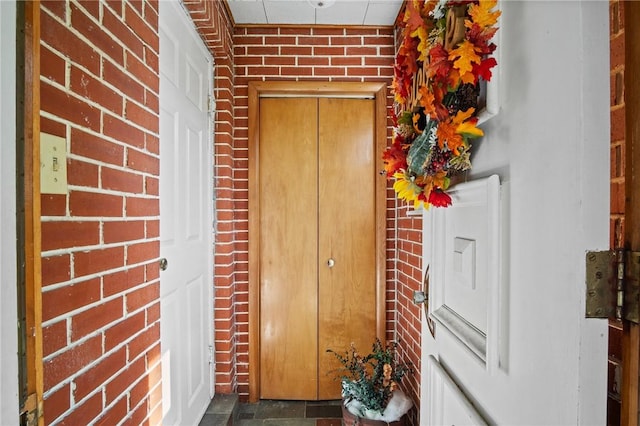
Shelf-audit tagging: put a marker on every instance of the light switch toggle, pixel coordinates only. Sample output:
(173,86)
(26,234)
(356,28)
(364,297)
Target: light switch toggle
(53,164)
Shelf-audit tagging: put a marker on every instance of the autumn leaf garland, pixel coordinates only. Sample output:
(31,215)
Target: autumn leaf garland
(449,42)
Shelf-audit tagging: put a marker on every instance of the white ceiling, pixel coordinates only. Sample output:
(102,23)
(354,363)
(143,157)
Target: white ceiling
(303,12)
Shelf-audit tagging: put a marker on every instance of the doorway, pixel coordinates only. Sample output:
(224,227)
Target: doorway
(186,218)
(304,257)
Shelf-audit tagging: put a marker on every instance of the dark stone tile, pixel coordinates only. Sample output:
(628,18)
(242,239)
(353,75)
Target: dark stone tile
(250,422)
(247,411)
(214,420)
(329,422)
(326,402)
(324,411)
(245,416)
(280,410)
(290,422)
(247,407)
(223,404)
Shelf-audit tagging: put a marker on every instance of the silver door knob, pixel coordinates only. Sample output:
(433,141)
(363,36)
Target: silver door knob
(330,263)
(164,264)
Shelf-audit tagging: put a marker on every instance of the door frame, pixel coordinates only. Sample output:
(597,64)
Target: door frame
(28,205)
(630,386)
(378,91)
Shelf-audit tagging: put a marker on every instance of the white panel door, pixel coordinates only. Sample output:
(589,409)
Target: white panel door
(186,219)
(507,260)
(8,279)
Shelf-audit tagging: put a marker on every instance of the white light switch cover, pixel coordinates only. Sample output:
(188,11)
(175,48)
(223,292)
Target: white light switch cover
(53,164)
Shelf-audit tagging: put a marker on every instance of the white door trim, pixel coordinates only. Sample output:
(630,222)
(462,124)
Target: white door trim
(9,405)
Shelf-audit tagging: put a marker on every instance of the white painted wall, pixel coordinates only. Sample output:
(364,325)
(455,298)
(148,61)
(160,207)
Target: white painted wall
(550,146)
(8,297)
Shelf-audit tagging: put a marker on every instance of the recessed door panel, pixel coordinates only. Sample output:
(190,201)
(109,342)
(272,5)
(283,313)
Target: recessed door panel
(196,184)
(346,238)
(288,248)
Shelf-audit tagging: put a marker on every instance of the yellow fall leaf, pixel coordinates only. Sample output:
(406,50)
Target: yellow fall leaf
(423,46)
(482,15)
(427,100)
(465,126)
(469,128)
(461,116)
(468,78)
(463,56)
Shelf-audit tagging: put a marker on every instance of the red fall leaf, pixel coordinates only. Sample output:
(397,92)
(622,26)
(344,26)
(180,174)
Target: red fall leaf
(412,17)
(439,64)
(484,68)
(394,157)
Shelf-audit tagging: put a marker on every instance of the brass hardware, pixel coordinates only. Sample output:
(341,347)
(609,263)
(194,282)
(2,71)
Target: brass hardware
(430,322)
(613,287)
(164,264)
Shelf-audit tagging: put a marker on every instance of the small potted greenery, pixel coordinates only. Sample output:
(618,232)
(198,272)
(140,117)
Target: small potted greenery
(370,386)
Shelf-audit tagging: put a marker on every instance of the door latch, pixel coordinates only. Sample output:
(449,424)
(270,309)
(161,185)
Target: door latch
(164,264)
(422,298)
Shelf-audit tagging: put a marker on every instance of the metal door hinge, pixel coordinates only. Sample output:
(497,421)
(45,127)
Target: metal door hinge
(211,354)
(613,285)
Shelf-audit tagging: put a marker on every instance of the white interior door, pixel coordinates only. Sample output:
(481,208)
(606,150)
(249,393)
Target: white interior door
(8,279)
(186,219)
(507,260)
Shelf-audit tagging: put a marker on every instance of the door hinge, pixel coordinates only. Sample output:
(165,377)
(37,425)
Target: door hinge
(211,354)
(613,285)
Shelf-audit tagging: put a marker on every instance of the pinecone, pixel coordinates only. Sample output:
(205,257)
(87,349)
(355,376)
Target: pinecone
(465,97)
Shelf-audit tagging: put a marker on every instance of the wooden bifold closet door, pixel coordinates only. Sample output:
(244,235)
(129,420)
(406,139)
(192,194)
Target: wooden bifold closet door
(317,240)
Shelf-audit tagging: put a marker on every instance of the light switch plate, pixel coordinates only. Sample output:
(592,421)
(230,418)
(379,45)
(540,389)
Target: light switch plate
(53,164)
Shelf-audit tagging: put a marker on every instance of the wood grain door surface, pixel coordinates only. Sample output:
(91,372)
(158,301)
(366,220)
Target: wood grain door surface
(317,240)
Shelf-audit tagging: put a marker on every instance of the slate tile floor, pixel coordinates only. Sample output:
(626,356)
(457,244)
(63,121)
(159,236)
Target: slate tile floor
(290,413)
(279,413)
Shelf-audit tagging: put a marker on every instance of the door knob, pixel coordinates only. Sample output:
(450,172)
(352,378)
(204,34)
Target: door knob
(164,264)
(331,262)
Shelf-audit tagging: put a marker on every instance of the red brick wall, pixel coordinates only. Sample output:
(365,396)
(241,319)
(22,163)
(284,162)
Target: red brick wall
(616,10)
(409,279)
(100,241)
(616,234)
